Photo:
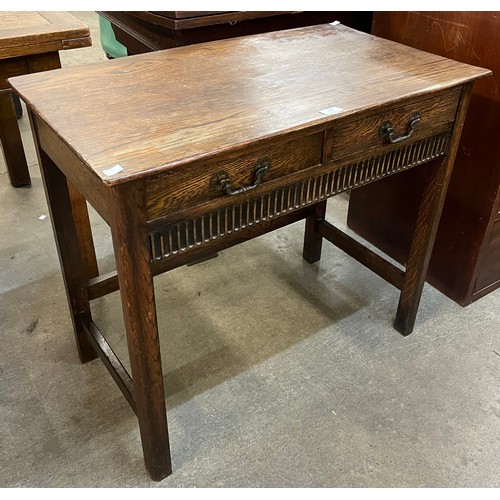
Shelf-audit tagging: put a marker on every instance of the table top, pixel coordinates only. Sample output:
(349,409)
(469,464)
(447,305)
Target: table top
(157,111)
(23,33)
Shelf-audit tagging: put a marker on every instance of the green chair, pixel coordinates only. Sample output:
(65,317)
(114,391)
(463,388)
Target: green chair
(110,45)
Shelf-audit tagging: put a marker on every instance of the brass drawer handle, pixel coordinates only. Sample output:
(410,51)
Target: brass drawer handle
(221,181)
(387,132)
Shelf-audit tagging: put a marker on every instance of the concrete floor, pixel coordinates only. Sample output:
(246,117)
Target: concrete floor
(278,373)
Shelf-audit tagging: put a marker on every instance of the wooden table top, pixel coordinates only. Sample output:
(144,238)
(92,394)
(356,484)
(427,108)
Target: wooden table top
(27,33)
(154,112)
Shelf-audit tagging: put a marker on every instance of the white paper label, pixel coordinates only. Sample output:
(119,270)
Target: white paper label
(331,111)
(113,170)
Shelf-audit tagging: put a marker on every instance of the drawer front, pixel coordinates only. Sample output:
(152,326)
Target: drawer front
(230,217)
(415,120)
(189,210)
(203,180)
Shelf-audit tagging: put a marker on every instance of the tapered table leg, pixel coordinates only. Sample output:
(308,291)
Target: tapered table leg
(426,227)
(130,241)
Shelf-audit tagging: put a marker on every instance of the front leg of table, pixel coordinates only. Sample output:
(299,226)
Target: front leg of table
(424,234)
(130,241)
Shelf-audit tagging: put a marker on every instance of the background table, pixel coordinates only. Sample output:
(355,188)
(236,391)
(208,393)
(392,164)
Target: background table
(144,31)
(29,43)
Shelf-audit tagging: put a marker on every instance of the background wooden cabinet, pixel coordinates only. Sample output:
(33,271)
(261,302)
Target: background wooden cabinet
(465,264)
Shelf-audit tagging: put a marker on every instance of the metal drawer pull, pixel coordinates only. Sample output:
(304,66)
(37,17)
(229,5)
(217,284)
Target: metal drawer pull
(221,181)
(386,130)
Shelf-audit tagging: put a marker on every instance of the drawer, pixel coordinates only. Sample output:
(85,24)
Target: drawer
(416,120)
(202,181)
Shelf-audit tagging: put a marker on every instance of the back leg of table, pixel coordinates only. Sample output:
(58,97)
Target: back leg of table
(73,264)
(82,222)
(12,145)
(312,239)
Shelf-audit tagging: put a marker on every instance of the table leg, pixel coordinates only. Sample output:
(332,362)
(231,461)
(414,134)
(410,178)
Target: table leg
(312,239)
(85,239)
(12,145)
(424,234)
(10,136)
(130,241)
(421,247)
(74,270)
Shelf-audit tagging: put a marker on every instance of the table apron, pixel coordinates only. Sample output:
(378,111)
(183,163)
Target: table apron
(226,216)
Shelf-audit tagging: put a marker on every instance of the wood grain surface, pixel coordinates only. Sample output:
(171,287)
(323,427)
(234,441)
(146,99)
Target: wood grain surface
(151,112)
(24,33)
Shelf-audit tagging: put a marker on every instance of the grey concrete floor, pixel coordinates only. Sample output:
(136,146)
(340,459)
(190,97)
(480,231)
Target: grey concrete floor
(278,373)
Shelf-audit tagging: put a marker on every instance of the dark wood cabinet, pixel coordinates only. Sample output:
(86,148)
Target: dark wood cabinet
(146,31)
(465,264)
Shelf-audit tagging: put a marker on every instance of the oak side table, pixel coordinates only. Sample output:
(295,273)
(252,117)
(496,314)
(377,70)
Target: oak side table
(254,133)
(29,43)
